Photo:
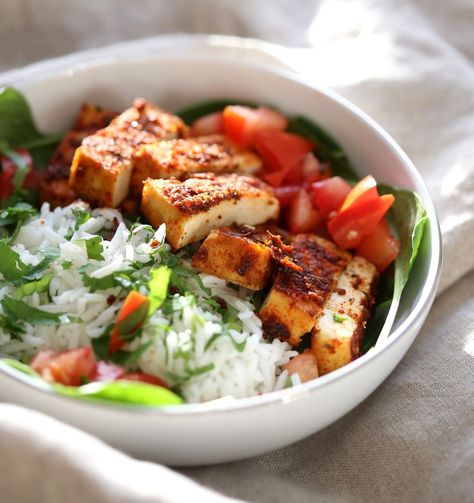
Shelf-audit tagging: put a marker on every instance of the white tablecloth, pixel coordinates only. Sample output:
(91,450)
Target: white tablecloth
(409,64)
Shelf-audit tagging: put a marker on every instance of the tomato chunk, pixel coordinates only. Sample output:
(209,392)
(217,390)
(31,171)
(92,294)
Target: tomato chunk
(242,123)
(330,194)
(8,170)
(129,319)
(302,216)
(364,190)
(349,227)
(147,378)
(281,152)
(305,365)
(71,368)
(380,247)
(286,194)
(208,125)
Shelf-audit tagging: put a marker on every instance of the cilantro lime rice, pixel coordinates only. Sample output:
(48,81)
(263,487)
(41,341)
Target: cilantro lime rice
(67,272)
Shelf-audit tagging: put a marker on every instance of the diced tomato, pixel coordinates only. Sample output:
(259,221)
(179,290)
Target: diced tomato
(242,123)
(129,319)
(380,247)
(8,170)
(330,194)
(302,216)
(305,365)
(286,194)
(310,168)
(71,368)
(147,378)
(281,152)
(107,372)
(364,190)
(207,125)
(349,227)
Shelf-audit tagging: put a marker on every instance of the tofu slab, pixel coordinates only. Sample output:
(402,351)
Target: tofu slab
(183,158)
(338,333)
(102,165)
(53,186)
(238,255)
(297,297)
(193,207)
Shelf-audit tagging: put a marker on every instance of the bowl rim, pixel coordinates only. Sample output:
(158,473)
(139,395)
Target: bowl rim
(230,405)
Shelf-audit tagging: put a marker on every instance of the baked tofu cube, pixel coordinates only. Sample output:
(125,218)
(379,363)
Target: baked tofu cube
(183,158)
(144,116)
(237,254)
(297,297)
(338,333)
(102,165)
(192,208)
(53,186)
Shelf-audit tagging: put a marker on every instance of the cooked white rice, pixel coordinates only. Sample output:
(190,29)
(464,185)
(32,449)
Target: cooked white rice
(191,347)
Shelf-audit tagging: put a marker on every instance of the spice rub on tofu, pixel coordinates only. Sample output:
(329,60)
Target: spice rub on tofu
(240,255)
(193,207)
(297,297)
(102,165)
(53,185)
(182,158)
(337,335)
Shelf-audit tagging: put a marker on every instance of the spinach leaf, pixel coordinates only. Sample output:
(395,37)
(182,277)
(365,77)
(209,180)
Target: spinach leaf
(122,391)
(18,129)
(193,112)
(408,216)
(19,311)
(327,149)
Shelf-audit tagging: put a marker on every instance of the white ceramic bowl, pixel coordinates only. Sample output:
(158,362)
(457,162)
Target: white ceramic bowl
(200,434)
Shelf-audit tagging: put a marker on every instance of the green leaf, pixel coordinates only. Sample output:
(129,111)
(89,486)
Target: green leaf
(122,391)
(19,311)
(22,168)
(17,213)
(193,112)
(11,266)
(158,286)
(327,149)
(18,129)
(94,248)
(408,217)
(95,284)
(37,286)
(81,216)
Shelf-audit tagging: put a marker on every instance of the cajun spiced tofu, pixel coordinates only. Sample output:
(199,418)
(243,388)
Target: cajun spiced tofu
(337,335)
(237,254)
(193,207)
(53,185)
(102,165)
(184,157)
(297,297)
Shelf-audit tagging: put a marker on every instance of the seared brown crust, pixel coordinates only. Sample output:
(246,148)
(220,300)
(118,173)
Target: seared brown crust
(236,254)
(143,116)
(298,295)
(53,186)
(205,190)
(338,333)
(102,165)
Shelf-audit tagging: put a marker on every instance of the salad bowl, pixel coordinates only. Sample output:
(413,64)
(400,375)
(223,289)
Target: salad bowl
(228,429)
